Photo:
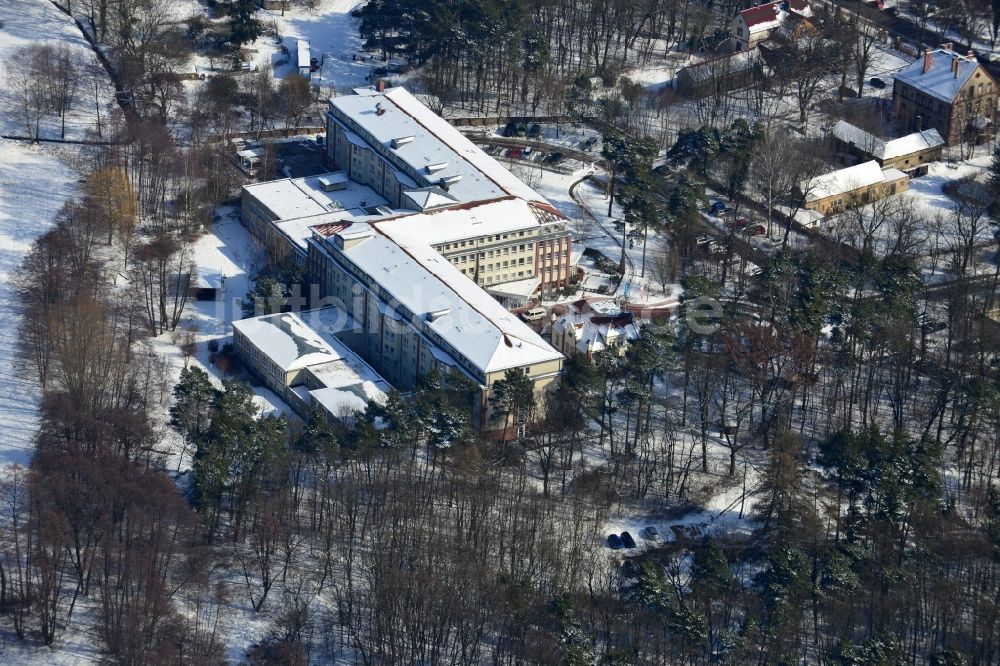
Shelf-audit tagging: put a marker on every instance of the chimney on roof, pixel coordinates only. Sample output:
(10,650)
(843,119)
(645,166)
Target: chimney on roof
(380,85)
(954,67)
(379,110)
(947,45)
(928,58)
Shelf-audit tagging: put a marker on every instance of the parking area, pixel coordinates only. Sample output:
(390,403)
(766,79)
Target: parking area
(300,158)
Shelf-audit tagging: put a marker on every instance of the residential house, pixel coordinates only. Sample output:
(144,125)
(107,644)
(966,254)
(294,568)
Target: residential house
(721,74)
(862,183)
(756,24)
(948,92)
(910,154)
(593,326)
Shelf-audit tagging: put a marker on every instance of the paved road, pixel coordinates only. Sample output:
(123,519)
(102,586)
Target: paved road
(516,142)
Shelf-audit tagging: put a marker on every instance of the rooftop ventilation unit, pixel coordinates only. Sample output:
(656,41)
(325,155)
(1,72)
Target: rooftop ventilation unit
(378,109)
(450,180)
(434,168)
(434,315)
(331,183)
(401,141)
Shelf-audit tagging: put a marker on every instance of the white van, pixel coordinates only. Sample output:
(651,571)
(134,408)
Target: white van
(534,314)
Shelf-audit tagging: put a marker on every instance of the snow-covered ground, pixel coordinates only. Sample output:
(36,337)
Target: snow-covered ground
(33,22)
(35,181)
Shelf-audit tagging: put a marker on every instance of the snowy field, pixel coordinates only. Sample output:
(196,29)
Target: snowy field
(33,22)
(35,181)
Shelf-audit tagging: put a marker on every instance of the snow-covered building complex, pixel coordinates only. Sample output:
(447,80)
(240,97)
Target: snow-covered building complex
(423,239)
(407,171)
(499,230)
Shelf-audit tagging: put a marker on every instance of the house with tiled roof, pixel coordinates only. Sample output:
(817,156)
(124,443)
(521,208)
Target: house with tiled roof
(755,24)
(949,92)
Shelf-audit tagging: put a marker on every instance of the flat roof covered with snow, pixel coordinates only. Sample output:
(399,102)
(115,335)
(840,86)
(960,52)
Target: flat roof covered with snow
(287,340)
(303,53)
(291,198)
(428,144)
(441,301)
(446,225)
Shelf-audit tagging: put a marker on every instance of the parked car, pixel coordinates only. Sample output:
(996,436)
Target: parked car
(703,240)
(930,326)
(615,542)
(510,129)
(754,229)
(534,314)
(650,533)
(589,144)
(717,207)
(554,158)
(892,11)
(627,540)
(877,83)
(535,131)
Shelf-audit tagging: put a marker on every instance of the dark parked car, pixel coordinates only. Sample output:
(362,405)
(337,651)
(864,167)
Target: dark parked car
(627,540)
(877,83)
(717,207)
(892,11)
(554,158)
(933,326)
(614,542)
(510,129)
(535,131)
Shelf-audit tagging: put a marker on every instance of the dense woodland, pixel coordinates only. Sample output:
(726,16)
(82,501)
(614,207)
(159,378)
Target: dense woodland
(862,447)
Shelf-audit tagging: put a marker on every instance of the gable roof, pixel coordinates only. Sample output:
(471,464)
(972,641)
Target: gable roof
(466,320)
(730,63)
(762,17)
(849,179)
(886,150)
(428,145)
(943,79)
